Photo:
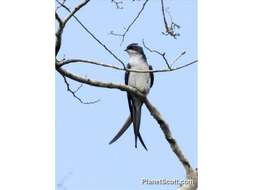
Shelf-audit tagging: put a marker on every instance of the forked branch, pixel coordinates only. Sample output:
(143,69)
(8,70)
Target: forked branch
(169,29)
(69,61)
(130,25)
(72,14)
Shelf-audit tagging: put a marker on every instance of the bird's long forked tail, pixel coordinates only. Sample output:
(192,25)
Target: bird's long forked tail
(136,123)
(142,142)
(122,130)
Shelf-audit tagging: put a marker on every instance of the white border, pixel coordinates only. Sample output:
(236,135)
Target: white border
(27,95)
(225,94)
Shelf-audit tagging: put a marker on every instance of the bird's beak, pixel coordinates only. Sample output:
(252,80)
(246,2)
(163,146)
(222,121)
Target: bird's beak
(125,50)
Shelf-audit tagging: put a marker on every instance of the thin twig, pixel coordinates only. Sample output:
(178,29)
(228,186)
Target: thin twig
(75,91)
(77,8)
(169,30)
(164,16)
(166,61)
(65,62)
(63,2)
(155,51)
(181,54)
(183,66)
(78,88)
(93,36)
(118,4)
(130,25)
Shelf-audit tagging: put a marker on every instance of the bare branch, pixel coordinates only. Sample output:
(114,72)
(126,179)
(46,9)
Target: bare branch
(77,8)
(101,84)
(65,62)
(169,30)
(74,92)
(164,16)
(164,58)
(183,66)
(115,34)
(63,2)
(191,174)
(118,4)
(167,133)
(155,51)
(58,33)
(181,54)
(93,36)
(130,25)
(58,18)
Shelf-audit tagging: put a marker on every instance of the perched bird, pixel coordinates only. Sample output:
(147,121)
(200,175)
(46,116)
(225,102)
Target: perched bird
(143,82)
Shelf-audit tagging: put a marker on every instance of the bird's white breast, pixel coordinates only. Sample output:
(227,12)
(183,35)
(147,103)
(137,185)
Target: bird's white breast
(141,81)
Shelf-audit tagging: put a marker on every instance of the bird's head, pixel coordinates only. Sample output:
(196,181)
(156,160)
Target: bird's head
(134,49)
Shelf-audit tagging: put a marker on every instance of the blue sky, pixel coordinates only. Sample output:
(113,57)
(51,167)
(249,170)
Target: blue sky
(83,131)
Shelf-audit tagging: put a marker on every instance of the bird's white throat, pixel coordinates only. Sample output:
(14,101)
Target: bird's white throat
(137,61)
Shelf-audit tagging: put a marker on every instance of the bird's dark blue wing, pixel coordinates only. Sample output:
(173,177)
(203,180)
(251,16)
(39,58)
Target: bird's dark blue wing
(151,76)
(127,74)
(129,98)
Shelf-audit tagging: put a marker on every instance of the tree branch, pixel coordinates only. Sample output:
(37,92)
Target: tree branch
(181,54)
(58,33)
(169,30)
(69,61)
(159,53)
(166,61)
(62,23)
(130,25)
(74,92)
(101,84)
(92,35)
(77,8)
(118,4)
(167,133)
(58,18)
(190,173)
(183,66)
(63,2)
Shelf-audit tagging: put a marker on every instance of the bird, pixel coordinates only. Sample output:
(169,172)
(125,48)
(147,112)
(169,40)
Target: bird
(142,82)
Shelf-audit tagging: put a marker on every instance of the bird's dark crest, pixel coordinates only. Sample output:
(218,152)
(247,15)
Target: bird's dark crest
(132,44)
(136,47)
